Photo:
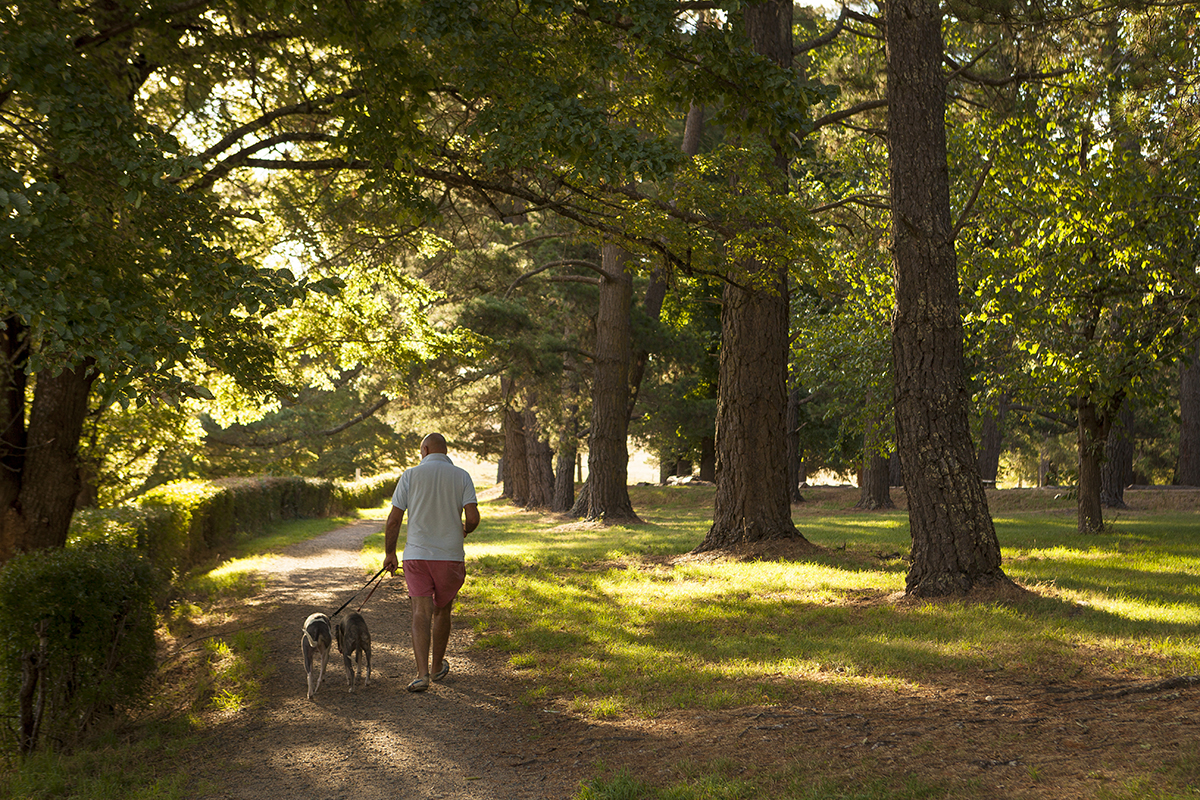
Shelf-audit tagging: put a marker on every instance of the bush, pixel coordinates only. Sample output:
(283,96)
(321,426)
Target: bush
(180,525)
(366,492)
(78,628)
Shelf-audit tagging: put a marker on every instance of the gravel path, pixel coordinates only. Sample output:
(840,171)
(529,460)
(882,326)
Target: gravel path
(468,737)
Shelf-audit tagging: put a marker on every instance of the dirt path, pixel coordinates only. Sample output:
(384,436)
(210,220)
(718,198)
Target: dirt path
(469,737)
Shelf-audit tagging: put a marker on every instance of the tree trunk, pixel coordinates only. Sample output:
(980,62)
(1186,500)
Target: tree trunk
(516,463)
(954,541)
(753,500)
(991,441)
(539,459)
(708,459)
(568,441)
(1187,471)
(1093,429)
(14,356)
(606,494)
(1117,470)
(795,467)
(40,513)
(874,492)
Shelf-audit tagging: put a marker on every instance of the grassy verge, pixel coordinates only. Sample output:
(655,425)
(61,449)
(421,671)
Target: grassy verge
(608,622)
(145,757)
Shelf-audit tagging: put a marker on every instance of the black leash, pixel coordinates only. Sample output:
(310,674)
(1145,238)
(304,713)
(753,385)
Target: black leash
(356,594)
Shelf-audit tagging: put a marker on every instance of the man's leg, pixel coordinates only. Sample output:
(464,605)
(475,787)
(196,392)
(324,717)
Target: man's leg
(423,616)
(440,626)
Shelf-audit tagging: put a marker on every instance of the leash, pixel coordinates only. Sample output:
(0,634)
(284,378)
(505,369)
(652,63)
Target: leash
(356,594)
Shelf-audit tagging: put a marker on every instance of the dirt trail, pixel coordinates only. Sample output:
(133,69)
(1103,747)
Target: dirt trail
(468,737)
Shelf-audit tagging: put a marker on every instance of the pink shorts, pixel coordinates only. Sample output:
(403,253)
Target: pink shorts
(440,580)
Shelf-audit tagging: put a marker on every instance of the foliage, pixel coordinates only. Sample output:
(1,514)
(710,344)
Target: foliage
(80,640)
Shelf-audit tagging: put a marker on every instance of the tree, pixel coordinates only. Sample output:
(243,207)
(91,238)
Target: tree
(955,548)
(119,282)
(753,500)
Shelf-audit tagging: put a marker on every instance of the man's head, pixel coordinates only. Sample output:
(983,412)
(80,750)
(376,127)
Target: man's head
(433,443)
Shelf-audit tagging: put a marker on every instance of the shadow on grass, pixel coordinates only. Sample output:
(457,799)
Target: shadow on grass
(605,616)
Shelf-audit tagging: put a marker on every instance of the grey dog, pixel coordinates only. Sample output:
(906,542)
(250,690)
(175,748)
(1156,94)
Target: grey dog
(354,640)
(317,640)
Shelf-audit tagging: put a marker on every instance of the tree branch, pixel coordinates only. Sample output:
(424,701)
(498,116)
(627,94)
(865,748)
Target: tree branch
(569,262)
(370,412)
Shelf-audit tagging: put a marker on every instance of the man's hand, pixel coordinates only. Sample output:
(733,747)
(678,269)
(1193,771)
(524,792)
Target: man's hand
(391,535)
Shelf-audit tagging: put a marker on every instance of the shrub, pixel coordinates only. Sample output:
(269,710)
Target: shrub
(78,628)
(366,492)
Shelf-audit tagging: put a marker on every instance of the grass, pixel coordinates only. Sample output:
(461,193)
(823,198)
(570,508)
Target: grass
(608,622)
(583,611)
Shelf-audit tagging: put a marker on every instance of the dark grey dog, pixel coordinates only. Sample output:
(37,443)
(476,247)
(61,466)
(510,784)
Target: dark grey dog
(317,640)
(354,640)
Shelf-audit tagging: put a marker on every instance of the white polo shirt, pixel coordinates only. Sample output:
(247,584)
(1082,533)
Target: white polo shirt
(433,495)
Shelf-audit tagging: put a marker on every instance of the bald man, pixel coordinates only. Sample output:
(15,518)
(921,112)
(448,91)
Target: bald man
(440,500)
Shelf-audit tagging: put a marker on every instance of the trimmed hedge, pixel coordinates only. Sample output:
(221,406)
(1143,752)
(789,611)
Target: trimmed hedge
(78,628)
(180,525)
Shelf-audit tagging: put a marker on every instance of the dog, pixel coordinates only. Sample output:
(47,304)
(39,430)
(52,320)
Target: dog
(354,640)
(317,640)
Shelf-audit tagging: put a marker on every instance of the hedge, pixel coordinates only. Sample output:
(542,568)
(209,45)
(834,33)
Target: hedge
(180,525)
(78,631)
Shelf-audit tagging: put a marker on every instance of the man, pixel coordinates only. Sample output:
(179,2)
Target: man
(440,500)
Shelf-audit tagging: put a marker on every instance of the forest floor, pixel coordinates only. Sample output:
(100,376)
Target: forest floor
(477,736)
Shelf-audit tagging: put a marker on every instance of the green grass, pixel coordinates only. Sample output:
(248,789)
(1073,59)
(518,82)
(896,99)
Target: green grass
(146,764)
(605,622)
(598,616)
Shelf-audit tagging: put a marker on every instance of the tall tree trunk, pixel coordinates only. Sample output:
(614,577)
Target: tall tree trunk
(991,441)
(515,459)
(753,500)
(40,514)
(795,466)
(606,494)
(539,459)
(1093,430)
(708,459)
(14,355)
(954,541)
(568,440)
(1117,470)
(874,492)
(1187,471)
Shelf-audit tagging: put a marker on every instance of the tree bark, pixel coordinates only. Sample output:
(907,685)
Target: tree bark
(708,459)
(991,441)
(1117,470)
(539,459)
(955,547)
(1187,471)
(40,513)
(515,459)
(874,491)
(568,441)
(1094,424)
(606,494)
(795,466)
(753,501)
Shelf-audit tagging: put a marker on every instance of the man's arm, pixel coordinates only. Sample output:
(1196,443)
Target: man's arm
(391,535)
(470,517)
